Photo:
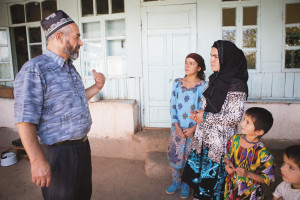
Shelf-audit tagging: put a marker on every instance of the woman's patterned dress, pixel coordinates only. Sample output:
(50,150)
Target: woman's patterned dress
(205,170)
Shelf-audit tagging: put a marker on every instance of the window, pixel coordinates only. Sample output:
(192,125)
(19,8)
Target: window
(103,36)
(6,72)
(240,21)
(26,32)
(292,36)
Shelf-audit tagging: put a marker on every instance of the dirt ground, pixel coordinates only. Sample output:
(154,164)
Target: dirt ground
(113,179)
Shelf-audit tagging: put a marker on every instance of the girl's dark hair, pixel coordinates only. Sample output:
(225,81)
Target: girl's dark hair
(292,153)
(201,74)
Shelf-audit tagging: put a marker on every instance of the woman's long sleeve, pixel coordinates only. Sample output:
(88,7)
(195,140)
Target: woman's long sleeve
(233,112)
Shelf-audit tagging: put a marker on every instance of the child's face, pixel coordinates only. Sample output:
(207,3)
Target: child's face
(290,171)
(191,67)
(247,126)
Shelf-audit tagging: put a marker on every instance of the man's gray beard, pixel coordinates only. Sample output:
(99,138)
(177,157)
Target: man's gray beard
(72,56)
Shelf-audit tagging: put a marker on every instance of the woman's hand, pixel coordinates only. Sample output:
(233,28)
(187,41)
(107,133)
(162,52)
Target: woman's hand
(197,116)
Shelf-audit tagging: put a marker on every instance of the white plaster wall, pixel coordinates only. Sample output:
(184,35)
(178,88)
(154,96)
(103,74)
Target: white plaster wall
(7,113)
(286,120)
(119,119)
(111,118)
(114,119)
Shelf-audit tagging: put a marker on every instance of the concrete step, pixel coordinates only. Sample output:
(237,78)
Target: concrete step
(157,165)
(134,148)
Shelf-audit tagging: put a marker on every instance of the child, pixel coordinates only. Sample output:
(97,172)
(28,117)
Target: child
(248,162)
(289,188)
(186,97)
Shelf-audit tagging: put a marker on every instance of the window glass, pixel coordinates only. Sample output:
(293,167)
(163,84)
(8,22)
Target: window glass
(249,16)
(115,48)
(35,34)
(89,65)
(115,66)
(115,27)
(117,6)
(48,7)
(17,14)
(229,16)
(91,30)
(5,71)
(292,59)
(92,49)
(87,7)
(249,38)
(21,45)
(292,36)
(292,13)
(102,6)
(35,50)
(4,54)
(33,12)
(228,35)
(251,59)
(3,37)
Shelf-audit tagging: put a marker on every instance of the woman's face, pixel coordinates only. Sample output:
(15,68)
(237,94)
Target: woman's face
(214,60)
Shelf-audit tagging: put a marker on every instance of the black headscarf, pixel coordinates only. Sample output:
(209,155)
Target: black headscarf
(233,75)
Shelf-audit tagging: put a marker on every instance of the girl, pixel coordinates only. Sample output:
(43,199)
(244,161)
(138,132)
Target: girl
(186,96)
(221,111)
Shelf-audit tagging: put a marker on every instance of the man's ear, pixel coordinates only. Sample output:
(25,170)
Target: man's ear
(259,132)
(59,37)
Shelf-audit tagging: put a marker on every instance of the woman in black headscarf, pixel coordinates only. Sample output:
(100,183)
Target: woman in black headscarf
(221,111)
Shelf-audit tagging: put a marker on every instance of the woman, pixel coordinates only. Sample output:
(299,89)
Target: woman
(221,111)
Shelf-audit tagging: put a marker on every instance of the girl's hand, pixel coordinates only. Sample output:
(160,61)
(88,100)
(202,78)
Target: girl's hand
(180,133)
(189,132)
(242,172)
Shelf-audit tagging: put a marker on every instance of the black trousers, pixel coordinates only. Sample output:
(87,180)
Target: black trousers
(71,172)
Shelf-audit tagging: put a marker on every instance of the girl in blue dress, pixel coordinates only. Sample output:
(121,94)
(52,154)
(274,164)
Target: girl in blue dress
(186,97)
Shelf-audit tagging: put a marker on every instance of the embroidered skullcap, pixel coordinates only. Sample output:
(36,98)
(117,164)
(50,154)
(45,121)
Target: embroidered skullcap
(54,22)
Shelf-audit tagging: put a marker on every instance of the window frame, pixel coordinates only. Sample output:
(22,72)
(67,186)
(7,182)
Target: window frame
(239,5)
(10,55)
(284,48)
(27,25)
(102,19)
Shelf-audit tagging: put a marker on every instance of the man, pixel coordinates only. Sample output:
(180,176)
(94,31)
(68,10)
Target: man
(52,113)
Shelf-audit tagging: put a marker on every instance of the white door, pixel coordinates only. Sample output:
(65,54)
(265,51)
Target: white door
(169,34)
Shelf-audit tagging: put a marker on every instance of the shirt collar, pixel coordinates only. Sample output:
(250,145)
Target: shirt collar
(59,60)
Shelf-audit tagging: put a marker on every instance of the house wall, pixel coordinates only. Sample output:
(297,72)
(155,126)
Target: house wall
(270,81)
(118,119)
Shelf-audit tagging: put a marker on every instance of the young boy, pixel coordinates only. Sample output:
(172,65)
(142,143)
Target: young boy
(248,163)
(289,188)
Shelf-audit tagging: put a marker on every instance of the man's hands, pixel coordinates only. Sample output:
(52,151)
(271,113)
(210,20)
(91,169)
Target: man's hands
(99,79)
(41,173)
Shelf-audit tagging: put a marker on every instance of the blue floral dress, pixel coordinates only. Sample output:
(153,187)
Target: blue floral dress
(183,100)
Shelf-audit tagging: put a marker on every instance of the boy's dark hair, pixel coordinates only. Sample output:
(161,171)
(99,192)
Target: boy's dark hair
(292,153)
(262,118)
